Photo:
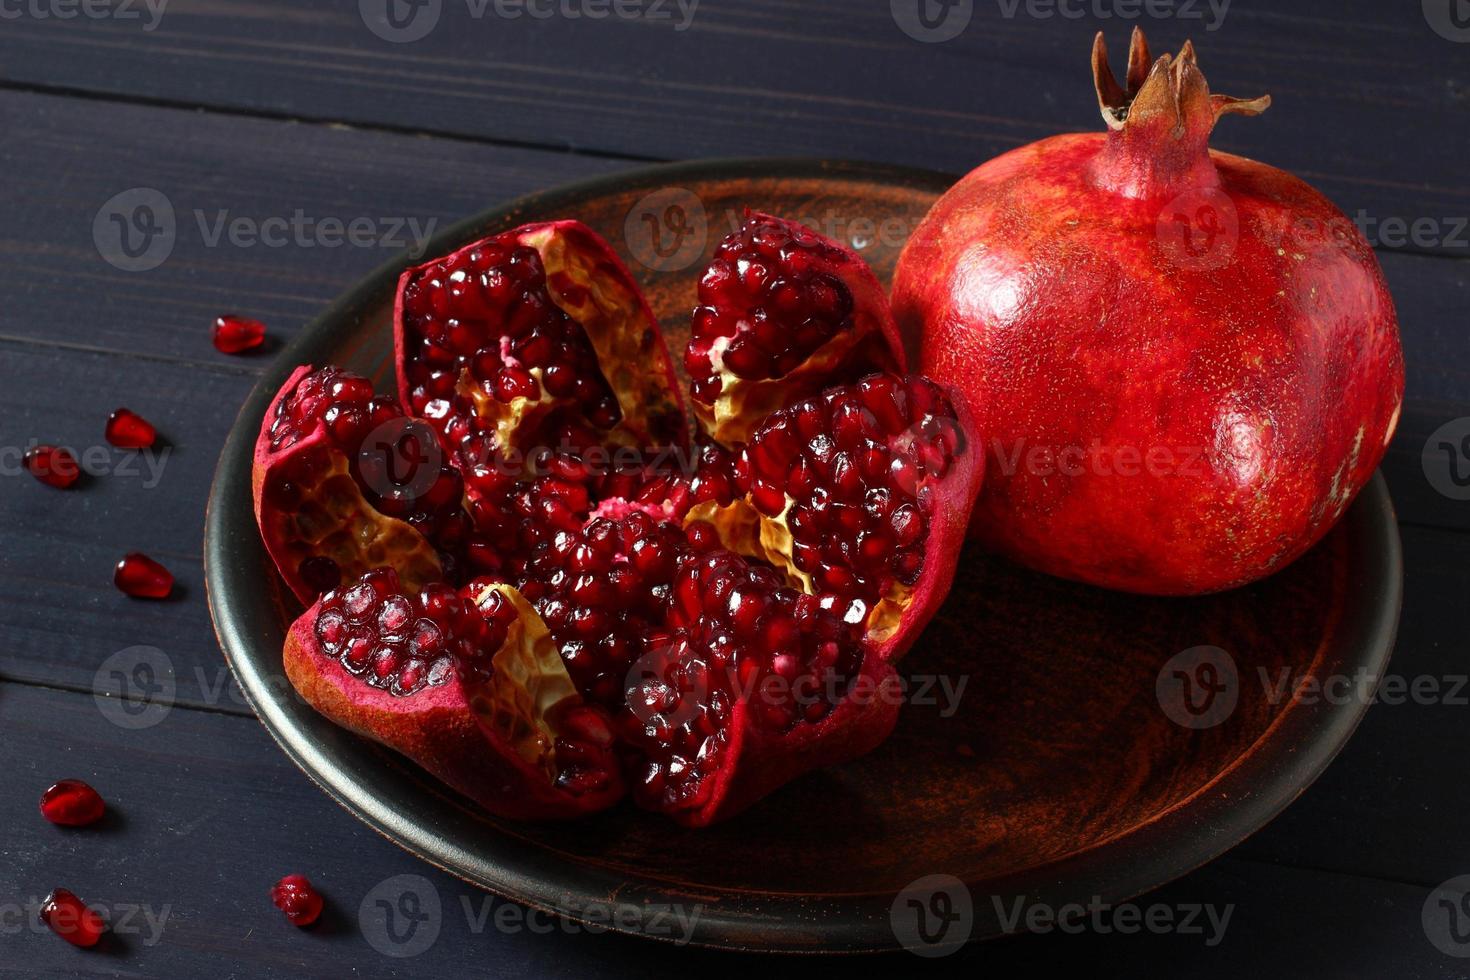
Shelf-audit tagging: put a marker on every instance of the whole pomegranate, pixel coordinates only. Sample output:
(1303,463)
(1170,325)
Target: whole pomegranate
(1184,363)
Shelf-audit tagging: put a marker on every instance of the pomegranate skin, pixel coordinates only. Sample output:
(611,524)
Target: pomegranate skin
(1160,416)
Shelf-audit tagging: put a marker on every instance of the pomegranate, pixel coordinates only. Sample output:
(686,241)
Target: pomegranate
(783,312)
(238,334)
(127,429)
(141,577)
(703,623)
(54,466)
(295,896)
(1186,363)
(329,495)
(69,917)
(72,803)
(468,684)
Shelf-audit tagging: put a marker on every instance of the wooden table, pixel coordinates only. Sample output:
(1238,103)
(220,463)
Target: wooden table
(274,108)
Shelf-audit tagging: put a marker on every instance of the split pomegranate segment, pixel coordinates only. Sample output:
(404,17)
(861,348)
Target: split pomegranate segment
(72,803)
(141,577)
(345,483)
(54,466)
(529,338)
(69,917)
(783,312)
(127,429)
(295,896)
(703,632)
(468,684)
(237,334)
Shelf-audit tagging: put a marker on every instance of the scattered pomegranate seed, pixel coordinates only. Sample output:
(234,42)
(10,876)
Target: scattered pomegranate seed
(128,430)
(64,914)
(142,577)
(53,466)
(237,334)
(72,803)
(298,898)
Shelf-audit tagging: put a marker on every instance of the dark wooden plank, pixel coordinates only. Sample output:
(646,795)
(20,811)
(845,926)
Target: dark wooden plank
(209,814)
(66,158)
(1369,99)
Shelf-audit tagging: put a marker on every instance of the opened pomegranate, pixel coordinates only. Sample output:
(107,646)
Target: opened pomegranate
(470,686)
(1186,363)
(703,623)
(344,483)
(783,312)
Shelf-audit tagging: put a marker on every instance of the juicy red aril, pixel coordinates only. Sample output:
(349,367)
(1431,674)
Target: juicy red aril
(72,803)
(345,405)
(856,465)
(400,643)
(763,308)
(736,633)
(129,430)
(487,317)
(53,466)
(142,577)
(237,334)
(66,915)
(601,590)
(298,898)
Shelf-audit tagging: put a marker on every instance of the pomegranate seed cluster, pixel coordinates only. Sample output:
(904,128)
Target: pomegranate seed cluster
(766,305)
(736,633)
(486,316)
(403,643)
(856,468)
(345,405)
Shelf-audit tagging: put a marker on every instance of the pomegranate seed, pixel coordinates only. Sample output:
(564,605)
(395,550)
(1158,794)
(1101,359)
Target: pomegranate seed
(143,578)
(64,914)
(237,334)
(72,803)
(298,898)
(129,430)
(53,466)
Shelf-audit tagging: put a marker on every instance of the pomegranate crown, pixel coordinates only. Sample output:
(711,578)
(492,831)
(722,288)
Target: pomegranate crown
(1170,92)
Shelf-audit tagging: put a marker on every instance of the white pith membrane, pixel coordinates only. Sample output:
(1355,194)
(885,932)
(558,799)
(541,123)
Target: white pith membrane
(743,404)
(334,520)
(746,531)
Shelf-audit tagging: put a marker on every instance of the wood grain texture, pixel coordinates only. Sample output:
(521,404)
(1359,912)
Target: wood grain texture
(190,839)
(814,77)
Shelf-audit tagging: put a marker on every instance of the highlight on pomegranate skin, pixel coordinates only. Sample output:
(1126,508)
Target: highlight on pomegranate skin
(54,466)
(141,577)
(72,803)
(69,917)
(298,899)
(1071,292)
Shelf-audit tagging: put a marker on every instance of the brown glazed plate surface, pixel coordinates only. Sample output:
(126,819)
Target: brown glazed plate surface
(1060,776)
